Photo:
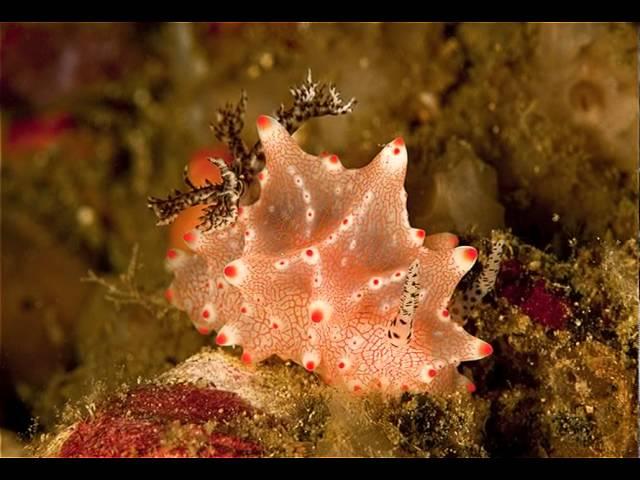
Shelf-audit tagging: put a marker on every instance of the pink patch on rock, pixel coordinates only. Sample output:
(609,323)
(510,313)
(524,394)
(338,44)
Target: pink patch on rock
(138,425)
(533,296)
(39,133)
(548,309)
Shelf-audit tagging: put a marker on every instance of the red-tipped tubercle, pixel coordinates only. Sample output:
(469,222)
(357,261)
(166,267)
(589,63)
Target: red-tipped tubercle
(263,121)
(486,349)
(230,271)
(471,254)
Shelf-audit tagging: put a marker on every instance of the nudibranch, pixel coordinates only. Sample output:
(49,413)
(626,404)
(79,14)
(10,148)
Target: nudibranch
(325,270)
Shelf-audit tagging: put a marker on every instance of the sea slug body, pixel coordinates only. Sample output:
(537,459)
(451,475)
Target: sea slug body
(325,270)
